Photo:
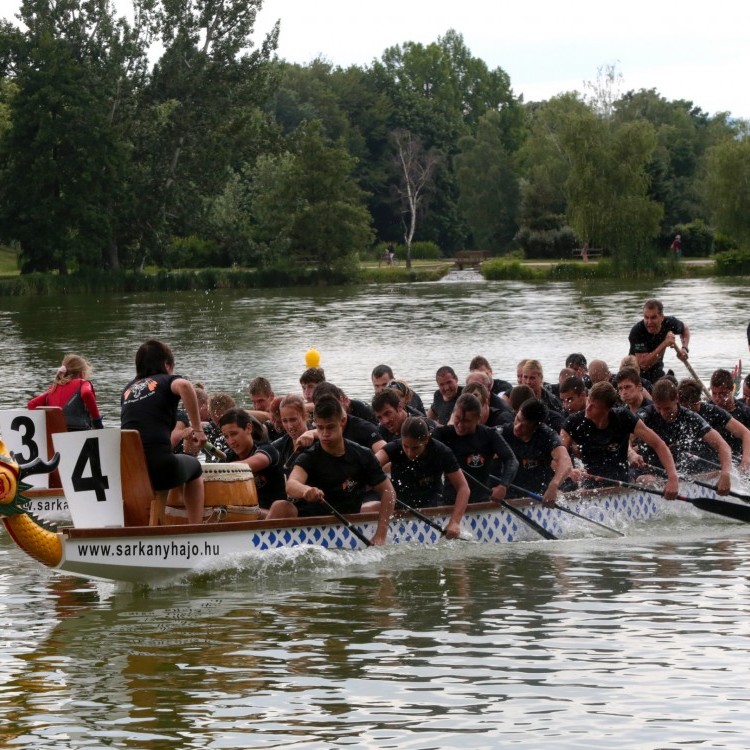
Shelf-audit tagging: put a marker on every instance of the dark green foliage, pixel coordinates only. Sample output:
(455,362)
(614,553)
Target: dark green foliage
(490,193)
(499,270)
(194,252)
(733,263)
(697,239)
(549,243)
(328,219)
(218,154)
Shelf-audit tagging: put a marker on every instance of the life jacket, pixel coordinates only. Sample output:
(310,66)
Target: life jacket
(76,414)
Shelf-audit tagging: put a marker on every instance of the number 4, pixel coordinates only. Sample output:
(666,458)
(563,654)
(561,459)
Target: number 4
(96,481)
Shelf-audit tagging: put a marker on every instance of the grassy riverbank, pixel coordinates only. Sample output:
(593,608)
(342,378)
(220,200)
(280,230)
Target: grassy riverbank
(12,283)
(100,281)
(499,269)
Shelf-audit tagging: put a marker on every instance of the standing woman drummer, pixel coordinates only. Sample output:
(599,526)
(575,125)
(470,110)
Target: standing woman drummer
(149,405)
(72,391)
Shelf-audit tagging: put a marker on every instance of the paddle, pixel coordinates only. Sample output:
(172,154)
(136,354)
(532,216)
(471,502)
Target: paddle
(211,450)
(705,460)
(719,507)
(427,519)
(692,372)
(530,522)
(349,525)
(540,499)
(707,485)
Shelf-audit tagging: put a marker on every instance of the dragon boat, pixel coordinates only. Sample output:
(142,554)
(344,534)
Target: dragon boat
(123,531)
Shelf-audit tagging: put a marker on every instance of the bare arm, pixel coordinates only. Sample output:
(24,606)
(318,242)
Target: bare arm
(567,441)
(721,446)
(562,465)
(649,359)
(387,501)
(377,446)
(685,339)
(510,467)
(737,429)
(297,487)
(458,480)
(258,461)
(184,389)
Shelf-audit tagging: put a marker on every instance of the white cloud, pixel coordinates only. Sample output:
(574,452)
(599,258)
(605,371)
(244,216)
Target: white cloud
(685,50)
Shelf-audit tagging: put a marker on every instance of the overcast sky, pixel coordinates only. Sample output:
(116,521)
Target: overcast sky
(685,49)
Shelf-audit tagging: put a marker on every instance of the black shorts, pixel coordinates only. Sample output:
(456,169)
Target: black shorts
(168,470)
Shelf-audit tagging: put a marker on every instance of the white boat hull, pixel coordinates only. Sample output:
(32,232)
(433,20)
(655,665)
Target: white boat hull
(149,554)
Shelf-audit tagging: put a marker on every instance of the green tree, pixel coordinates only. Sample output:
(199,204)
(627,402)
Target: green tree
(607,187)
(328,220)
(488,183)
(727,187)
(439,92)
(684,132)
(271,202)
(64,155)
(198,117)
(543,163)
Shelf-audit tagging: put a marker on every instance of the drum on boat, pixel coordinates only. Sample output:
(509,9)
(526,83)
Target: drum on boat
(229,491)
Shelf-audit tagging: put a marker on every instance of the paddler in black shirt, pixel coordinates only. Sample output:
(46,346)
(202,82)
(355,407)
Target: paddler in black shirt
(602,436)
(653,335)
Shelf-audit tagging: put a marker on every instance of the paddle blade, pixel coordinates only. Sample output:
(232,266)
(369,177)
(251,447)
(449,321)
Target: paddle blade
(721,508)
(530,522)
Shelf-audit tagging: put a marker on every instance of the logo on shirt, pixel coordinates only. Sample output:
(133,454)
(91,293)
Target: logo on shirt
(350,485)
(475,461)
(140,389)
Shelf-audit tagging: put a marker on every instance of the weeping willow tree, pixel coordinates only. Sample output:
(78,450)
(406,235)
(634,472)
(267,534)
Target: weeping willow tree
(607,187)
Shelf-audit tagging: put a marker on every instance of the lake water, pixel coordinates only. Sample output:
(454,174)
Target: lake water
(639,642)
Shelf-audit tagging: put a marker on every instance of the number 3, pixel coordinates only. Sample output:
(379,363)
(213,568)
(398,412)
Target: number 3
(25,427)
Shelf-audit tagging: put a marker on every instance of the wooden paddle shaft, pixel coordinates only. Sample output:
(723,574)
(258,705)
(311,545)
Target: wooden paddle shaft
(693,374)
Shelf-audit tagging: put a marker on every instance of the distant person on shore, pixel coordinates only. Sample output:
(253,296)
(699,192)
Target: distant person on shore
(72,391)
(676,247)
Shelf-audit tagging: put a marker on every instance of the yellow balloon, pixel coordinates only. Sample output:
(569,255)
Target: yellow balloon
(312,358)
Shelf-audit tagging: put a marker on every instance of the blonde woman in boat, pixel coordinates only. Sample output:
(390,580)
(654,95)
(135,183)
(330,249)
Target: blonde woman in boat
(294,421)
(72,391)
